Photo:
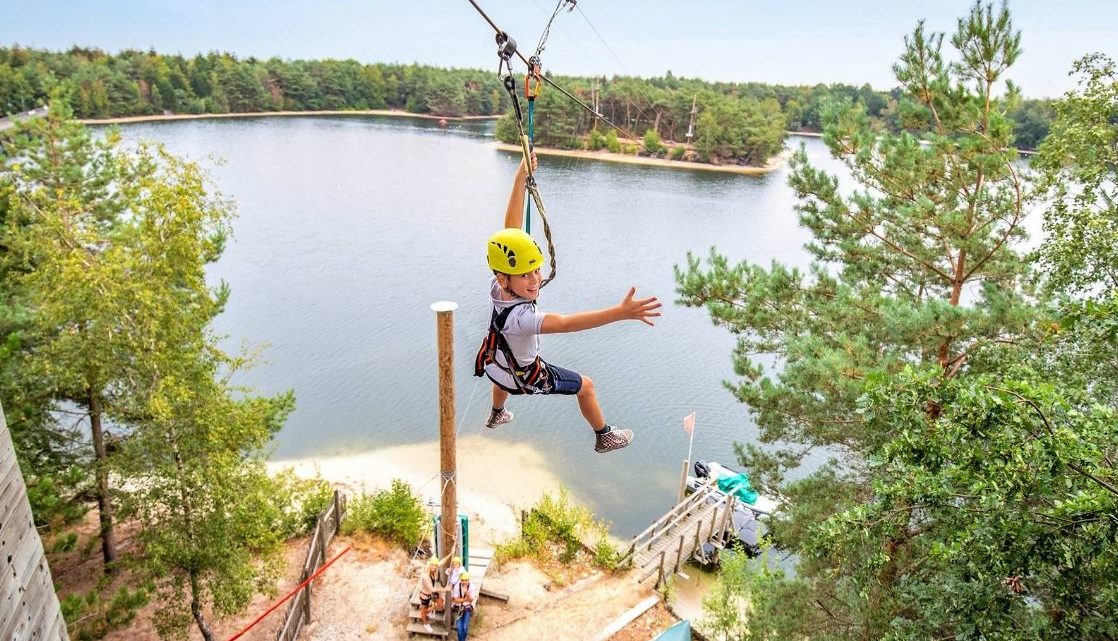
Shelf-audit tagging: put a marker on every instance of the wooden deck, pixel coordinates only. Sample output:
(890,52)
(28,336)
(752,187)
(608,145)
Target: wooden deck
(674,538)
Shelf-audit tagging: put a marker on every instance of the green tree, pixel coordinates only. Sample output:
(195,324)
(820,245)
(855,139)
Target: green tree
(239,88)
(58,204)
(210,515)
(1079,168)
(100,300)
(918,266)
(1079,160)
(445,97)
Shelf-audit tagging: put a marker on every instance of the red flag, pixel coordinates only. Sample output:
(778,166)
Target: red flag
(689,423)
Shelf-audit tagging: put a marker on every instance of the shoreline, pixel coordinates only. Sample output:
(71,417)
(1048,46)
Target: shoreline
(496,479)
(122,120)
(774,163)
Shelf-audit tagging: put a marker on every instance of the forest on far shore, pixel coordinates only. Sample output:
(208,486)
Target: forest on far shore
(734,121)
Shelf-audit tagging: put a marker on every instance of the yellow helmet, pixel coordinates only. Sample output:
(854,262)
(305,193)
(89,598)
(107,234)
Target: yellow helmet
(512,251)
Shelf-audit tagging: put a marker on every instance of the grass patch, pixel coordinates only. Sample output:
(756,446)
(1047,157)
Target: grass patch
(556,532)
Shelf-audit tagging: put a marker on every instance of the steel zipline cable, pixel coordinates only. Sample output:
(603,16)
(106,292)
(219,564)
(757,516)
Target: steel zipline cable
(597,114)
(506,49)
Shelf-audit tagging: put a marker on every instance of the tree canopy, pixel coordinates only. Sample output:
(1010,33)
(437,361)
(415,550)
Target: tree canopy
(968,412)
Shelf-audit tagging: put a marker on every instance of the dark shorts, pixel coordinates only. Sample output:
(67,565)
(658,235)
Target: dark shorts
(557,381)
(426,600)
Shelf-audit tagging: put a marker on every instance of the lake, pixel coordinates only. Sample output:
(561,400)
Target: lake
(349,228)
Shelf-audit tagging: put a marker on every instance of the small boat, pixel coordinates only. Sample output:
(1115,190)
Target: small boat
(744,531)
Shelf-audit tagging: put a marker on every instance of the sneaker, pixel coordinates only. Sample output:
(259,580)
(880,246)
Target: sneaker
(428,628)
(614,439)
(498,417)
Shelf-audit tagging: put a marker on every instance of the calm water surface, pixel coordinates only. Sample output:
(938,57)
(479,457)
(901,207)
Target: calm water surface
(349,228)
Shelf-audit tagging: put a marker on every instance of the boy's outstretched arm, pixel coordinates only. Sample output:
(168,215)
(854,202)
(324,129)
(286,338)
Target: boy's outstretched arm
(514,213)
(630,308)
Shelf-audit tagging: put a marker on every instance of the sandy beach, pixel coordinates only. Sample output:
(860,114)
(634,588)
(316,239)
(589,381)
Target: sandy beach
(774,163)
(277,114)
(495,479)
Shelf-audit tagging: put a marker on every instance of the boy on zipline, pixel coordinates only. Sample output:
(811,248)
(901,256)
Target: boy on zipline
(510,354)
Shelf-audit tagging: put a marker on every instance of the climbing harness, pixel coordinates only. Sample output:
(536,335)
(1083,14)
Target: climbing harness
(530,379)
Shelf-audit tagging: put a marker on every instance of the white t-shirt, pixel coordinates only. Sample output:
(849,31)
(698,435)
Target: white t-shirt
(472,593)
(522,331)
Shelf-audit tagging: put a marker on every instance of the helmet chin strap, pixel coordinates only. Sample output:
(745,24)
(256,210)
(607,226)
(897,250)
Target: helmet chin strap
(507,289)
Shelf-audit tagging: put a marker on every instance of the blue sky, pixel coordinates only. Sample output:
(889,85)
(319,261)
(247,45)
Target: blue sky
(794,42)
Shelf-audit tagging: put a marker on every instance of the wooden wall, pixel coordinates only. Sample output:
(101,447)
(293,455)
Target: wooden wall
(29,609)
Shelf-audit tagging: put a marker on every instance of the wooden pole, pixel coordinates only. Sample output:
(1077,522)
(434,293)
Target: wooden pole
(337,513)
(679,555)
(448,446)
(727,517)
(698,544)
(683,481)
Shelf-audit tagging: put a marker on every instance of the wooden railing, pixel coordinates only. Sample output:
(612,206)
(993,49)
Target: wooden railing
(328,525)
(682,528)
(645,539)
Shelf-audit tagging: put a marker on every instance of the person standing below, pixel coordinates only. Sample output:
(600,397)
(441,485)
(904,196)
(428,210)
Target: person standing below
(430,597)
(453,573)
(509,356)
(464,600)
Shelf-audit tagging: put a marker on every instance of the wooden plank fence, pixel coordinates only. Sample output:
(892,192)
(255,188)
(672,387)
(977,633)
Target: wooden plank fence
(327,527)
(29,609)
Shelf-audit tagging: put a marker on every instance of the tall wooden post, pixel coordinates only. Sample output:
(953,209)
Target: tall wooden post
(448,446)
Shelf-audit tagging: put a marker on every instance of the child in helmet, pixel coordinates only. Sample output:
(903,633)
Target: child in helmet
(510,354)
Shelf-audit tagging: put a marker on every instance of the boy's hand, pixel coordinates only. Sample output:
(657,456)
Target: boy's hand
(523,169)
(641,309)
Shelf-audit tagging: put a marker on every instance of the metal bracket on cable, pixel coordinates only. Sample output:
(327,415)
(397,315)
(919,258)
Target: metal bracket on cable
(506,46)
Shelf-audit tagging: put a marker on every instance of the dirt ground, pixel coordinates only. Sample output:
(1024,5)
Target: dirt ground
(364,597)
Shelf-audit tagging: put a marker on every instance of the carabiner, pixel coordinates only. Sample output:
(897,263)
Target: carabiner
(533,80)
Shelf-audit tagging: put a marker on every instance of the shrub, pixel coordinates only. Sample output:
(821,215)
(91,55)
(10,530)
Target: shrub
(595,140)
(677,153)
(612,143)
(555,529)
(652,143)
(302,500)
(395,513)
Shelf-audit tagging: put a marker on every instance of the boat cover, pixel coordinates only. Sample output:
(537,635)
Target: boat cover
(738,485)
(678,632)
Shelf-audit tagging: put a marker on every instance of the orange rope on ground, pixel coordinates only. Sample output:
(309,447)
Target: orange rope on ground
(290,594)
